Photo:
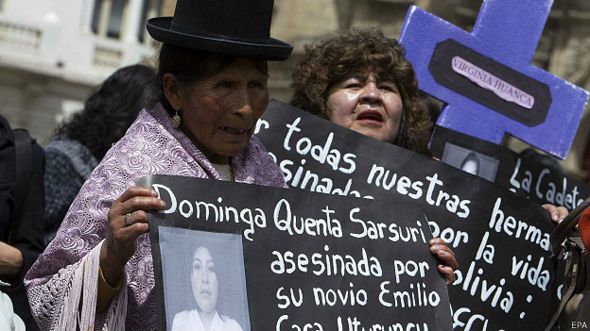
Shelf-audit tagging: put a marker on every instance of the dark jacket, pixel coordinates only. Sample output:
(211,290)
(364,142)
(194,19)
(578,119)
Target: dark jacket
(22,228)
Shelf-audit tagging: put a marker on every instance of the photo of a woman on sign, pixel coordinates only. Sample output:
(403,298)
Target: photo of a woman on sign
(471,164)
(470,161)
(205,289)
(204,280)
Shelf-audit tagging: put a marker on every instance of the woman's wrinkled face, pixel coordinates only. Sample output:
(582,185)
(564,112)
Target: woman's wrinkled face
(221,112)
(204,280)
(368,104)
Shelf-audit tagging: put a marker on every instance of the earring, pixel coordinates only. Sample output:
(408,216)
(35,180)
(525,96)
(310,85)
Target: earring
(176,119)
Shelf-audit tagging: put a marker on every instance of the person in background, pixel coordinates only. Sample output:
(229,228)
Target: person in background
(361,80)
(82,141)
(21,228)
(212,87)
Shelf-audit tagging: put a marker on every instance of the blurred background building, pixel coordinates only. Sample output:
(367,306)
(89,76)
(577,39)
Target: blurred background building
(53,53)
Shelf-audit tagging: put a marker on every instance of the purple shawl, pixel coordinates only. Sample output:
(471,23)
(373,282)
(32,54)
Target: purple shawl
(150,146)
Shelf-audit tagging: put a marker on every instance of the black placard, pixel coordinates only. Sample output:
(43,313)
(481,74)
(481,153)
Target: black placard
(288,259)
(501,240)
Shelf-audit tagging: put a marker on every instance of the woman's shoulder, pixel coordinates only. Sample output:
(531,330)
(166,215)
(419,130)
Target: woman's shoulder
(149,148)
(71,152)
(183,320)
(230,324)
(258,166)
(145,149)
(184,314)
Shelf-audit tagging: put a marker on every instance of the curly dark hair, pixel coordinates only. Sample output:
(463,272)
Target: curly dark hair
(110,109)
(333,60)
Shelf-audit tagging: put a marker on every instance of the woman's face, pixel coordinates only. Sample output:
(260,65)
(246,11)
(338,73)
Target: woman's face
(221,112)
(471,164)
(367,104)
(204,280)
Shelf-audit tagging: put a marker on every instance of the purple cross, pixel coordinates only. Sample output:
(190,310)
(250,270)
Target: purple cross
(486,78)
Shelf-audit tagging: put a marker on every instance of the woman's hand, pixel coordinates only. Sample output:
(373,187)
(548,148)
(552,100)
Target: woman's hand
(556,213)
(446,256)
(127,221)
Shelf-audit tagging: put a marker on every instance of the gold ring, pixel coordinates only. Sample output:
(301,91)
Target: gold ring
(128,220)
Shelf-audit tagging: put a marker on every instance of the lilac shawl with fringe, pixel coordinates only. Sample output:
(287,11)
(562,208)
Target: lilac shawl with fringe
(68,269)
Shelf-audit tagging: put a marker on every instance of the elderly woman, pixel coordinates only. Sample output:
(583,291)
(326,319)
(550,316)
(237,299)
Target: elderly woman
(205,289)
(212,81)
(361,80)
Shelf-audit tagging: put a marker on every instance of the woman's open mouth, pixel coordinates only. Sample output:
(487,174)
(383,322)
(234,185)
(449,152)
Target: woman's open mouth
(231,130)
(370,116)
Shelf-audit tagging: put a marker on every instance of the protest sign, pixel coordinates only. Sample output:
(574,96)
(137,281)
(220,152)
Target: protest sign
(501,240)
(486,79)
(285,259)
(529,173)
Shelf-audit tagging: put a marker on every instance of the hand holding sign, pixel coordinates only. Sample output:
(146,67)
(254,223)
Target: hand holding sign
(449,264)
(127,221)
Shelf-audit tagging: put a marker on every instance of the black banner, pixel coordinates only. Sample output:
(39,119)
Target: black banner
(284,259)
(501,240)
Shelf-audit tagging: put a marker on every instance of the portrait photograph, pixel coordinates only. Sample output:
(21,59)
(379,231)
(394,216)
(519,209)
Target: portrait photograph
(471,161)
(204,280)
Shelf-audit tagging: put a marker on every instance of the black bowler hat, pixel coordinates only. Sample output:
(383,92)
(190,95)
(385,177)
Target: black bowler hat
(232,27)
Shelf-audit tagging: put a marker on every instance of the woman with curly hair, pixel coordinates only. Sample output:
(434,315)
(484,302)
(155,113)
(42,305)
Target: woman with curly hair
(81,142)
(361,80)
